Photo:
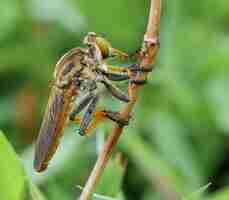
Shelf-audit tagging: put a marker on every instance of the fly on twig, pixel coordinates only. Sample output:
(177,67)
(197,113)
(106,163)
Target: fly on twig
(78,74)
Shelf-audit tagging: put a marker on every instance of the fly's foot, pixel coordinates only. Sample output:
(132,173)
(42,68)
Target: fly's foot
(81,132)
(138,81)
(139,74)
(136,68)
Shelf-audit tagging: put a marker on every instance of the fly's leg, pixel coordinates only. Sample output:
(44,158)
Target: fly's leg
(137,68)
(82,104)
(89,121)
(116,73)
(117,76)
(138,74)
(88,115)
(134,73)
(115,91)
(88,101)
(116,117)
(116,52)
(99,116)
(106,114)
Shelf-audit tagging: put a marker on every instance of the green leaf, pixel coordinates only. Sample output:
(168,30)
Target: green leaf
(14,184)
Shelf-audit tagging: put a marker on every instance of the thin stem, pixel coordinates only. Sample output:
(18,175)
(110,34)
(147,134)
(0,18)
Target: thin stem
(149,52)
(153,26)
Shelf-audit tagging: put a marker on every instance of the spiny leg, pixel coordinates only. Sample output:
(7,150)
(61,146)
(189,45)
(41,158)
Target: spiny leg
(91,117)
(78,108)
(116,117)
(82,104)
(138,74)
(106,114)
(136,68)
(99,116)
(87,117)
(116,76)
(117,69)
(115,91)
(115,73)
(132,72)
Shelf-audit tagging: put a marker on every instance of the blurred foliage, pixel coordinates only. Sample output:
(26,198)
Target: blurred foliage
(14,184)
(177,141)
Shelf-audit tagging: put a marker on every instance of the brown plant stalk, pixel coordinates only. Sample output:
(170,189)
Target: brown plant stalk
(147,57)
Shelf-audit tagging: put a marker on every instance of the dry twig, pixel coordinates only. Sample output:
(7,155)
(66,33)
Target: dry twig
(147,57)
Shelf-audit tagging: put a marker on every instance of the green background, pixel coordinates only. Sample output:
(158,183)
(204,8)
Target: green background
(177,143)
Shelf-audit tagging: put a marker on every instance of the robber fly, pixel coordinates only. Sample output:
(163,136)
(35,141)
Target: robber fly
(78,75)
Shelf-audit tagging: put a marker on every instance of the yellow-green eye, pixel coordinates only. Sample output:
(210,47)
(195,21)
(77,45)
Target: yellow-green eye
(104,46)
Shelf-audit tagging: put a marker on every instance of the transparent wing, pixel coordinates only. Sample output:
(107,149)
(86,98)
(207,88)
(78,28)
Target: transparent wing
(55,118)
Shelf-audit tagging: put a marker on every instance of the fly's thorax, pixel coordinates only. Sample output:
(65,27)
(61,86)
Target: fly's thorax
(94,56)
(71,73)
(96,53)
(87,85)
(103,67)
(73,59)
(89,73)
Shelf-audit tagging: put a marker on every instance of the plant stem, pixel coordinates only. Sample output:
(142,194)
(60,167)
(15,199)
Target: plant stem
(149,52)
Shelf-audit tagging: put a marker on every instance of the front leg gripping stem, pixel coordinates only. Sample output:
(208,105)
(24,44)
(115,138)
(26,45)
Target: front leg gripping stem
(138,74)
(116,117)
